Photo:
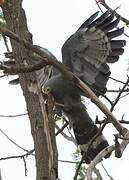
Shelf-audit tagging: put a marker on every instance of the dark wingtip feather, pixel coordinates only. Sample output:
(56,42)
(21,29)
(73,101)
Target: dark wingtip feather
(107,21)
(117,52)
(89,20)
(112,59)
(14,81)
(100,19)
(111,25)
(115,44)
(115,33)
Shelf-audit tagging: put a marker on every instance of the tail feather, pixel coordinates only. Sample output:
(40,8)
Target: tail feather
(91,150)
(85,131)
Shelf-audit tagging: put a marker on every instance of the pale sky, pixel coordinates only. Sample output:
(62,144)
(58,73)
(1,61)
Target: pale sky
(51,23)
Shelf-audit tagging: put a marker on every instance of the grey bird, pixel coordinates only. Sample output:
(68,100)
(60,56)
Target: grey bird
(86,54)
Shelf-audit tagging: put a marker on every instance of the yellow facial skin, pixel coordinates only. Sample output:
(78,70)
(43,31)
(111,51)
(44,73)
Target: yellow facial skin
(48,90)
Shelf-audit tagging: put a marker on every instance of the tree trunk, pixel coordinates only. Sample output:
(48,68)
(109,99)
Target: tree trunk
(44,140)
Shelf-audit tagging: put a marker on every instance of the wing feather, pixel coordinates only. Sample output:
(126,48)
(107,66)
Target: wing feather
(111,25)
(89,20)
(88,50)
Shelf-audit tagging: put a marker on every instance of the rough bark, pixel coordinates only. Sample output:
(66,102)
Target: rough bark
(43,143)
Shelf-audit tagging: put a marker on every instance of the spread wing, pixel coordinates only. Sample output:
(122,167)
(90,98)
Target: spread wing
(87,52)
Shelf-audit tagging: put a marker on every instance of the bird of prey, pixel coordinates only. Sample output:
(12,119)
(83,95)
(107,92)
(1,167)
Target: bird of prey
(86,54)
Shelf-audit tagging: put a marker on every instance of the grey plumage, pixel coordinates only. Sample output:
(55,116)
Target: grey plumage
(86,53)
(91,47)
(84,128)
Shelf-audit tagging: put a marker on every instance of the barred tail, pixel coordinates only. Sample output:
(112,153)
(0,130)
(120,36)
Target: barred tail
(85,131)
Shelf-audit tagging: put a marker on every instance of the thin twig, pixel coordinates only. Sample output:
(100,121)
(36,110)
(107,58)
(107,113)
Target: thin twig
(18,156)
(13,116)
(118,96)
(65,161)
(25,166)
(103,121)
(114,79)
(61,129)
(124,95)
(13,141)
(106,172)
(117,90)
(102,2)
(69,138)
(97,2)
(111,103)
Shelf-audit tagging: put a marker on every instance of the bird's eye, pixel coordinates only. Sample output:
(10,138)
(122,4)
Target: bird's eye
(48,90)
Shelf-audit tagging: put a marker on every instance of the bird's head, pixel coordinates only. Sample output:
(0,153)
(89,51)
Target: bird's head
(59,88)
(51,86)
(47,89)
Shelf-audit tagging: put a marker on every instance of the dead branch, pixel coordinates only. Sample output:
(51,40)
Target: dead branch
(18,156)
(12,70)
(104,152)
(103,108)
(96,171)
(97,159)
